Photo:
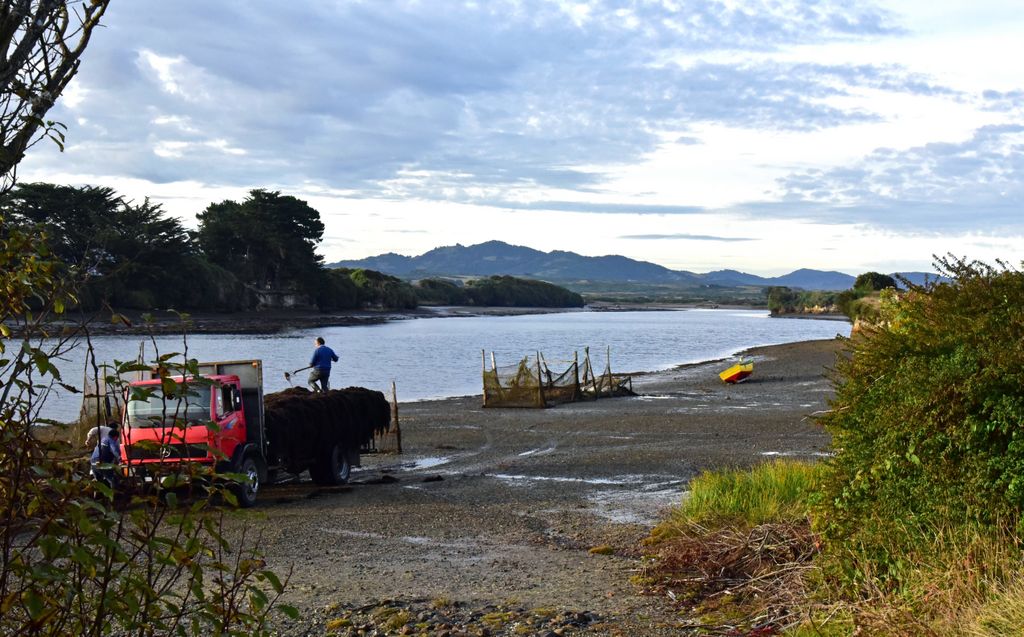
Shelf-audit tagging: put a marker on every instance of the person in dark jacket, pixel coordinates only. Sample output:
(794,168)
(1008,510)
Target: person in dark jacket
(107,452)
(323,356)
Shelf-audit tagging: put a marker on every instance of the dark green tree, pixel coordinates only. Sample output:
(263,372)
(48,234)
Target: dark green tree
(440,292)
(69,215)
(337,291)
(382,290)
(269,239)
(873,282)
(781,299)
(128,255)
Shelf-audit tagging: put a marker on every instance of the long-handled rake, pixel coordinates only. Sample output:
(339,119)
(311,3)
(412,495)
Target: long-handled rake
(288,375)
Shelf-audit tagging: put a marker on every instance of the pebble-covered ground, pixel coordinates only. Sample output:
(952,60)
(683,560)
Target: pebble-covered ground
(530,522)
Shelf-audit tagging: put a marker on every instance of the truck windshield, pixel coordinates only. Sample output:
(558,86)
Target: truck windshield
(160,412)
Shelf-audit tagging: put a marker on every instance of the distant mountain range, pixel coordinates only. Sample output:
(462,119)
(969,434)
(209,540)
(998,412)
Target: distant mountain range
(498,257)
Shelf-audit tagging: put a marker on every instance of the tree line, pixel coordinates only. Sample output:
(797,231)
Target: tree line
(243,255)
(860,301)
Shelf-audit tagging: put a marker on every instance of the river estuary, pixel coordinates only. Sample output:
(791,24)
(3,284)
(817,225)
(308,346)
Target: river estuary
(441,357)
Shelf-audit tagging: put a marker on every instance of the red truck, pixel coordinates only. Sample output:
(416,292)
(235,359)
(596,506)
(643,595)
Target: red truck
(221,422)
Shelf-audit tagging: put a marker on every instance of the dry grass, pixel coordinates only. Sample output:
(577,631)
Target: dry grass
(964,582)
(739,557)
(1002,614)
(736,555)
(734,579)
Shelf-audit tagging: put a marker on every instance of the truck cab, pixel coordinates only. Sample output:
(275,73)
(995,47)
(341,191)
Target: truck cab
(177,426)
(214,419)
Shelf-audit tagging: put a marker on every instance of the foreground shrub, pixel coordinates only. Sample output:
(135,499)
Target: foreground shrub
(926,421)
(76,558)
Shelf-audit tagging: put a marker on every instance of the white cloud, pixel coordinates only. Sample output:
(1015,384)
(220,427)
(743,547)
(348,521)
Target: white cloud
(165,68)
(74,95)
(742,117)
(171,149)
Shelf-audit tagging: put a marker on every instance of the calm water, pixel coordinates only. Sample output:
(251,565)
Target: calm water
(440,357)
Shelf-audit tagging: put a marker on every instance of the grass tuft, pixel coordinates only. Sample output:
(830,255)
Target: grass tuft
(772,492)
(1001,614)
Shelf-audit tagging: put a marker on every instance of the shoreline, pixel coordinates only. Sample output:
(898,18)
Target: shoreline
(277,321)
(643,377)
(267,322)
(754,351)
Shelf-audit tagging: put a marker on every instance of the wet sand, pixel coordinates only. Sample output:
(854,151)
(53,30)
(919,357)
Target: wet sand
(502,506)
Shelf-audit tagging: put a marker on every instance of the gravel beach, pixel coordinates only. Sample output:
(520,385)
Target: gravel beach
(521,521)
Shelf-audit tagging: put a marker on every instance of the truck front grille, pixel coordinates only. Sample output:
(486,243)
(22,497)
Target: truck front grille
(167,452)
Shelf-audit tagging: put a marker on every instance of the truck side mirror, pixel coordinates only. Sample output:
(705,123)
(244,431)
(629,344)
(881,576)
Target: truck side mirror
(236,399)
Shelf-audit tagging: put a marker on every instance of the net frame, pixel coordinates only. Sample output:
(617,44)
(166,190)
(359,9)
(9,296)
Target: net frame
(531,383)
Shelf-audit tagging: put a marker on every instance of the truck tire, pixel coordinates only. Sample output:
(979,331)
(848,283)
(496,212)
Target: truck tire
(333,468)
(247,491)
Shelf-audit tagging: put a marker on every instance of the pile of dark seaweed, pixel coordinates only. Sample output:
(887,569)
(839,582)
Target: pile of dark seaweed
(301,424)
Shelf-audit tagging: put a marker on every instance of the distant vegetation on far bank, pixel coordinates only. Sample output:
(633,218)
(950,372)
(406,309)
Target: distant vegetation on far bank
(245,255)
(260,253)
(861,302)
(496,291)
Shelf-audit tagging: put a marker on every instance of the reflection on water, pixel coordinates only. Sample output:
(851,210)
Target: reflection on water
(441,357)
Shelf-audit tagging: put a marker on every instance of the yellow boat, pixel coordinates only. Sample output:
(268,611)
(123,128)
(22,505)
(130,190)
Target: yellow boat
(737,373)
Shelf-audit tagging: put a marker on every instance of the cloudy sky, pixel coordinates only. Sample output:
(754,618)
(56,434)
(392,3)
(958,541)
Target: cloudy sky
(761,135)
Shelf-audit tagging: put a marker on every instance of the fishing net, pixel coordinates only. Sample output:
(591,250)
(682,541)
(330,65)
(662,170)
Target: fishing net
(606,384)
(532,383)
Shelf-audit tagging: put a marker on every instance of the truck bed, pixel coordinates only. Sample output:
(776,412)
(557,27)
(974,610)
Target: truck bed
(301,424)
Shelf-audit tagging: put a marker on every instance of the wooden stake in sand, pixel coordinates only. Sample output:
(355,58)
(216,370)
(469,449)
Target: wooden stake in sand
(394,417)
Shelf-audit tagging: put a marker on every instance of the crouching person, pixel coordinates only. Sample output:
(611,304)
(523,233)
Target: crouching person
(107,452)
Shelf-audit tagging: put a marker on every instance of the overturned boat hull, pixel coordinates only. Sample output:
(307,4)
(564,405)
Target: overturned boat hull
(737,373)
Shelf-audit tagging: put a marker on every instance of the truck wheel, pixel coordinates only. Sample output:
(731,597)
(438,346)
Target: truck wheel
(247,490)
(334,468)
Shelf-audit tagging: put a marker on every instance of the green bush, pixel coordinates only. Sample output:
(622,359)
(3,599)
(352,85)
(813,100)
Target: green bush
(439,292)
(509,291)
(337,291)
(926,420)
(376,289)
(866,308)
(784,300)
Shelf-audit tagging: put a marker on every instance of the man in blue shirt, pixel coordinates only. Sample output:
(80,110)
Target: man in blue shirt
(321,364)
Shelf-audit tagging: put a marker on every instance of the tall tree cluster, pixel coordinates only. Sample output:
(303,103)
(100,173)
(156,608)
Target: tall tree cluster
(268,240)
(133,255)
